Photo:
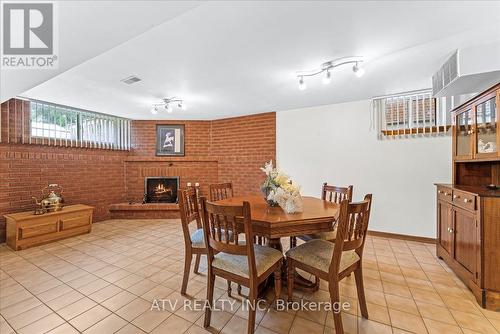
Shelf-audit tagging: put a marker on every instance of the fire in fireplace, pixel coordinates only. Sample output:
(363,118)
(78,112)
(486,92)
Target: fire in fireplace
(161,189)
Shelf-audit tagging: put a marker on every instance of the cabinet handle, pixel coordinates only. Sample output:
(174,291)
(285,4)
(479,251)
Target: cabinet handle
(446,194)
(440,191)
(466,200)
(451,230)
(456,196)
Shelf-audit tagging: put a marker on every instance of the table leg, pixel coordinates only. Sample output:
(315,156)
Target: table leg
(300,283)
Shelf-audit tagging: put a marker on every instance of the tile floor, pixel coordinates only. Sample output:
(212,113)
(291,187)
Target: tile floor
(104,282)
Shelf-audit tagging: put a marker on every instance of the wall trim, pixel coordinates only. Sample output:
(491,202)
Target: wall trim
(402,237)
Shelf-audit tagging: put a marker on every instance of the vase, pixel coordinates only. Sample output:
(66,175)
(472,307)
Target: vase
(270,202)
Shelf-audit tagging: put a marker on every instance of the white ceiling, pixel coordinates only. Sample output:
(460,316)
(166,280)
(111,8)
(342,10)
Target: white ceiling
(89,28)
(232,58)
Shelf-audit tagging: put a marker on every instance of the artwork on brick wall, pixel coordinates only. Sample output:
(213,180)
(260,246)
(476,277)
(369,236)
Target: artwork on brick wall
(170,140)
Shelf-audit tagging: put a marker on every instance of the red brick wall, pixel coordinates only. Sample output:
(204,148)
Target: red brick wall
(215,151)
(242,145)
(196,138)
(93,177)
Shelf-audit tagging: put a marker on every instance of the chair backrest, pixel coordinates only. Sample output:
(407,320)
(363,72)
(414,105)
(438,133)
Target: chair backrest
(336,194)
(221,224)
(352,228)
(219,191)
(189,210)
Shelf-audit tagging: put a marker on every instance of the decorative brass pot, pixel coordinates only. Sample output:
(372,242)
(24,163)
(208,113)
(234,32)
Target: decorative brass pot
(53,200)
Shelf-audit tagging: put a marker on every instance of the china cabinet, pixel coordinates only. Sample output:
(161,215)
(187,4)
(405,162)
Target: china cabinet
(476,130)
(468,211)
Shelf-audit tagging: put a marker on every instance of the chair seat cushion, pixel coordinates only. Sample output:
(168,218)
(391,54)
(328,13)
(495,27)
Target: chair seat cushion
(330,236)
(318,254)
(198,239)
(265,258)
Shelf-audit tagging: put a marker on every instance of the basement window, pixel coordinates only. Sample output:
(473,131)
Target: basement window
(409,114)
(54,124)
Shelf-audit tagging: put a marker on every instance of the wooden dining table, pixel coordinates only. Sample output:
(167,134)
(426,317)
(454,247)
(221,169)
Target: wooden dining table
(273,223)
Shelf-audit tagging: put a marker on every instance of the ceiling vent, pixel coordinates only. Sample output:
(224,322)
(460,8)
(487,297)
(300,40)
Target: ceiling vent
(131,79)
(467,71)
(446,74)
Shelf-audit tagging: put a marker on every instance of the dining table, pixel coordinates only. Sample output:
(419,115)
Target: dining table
(273,223)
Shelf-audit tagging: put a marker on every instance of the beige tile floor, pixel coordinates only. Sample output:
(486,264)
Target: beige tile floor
(104,282)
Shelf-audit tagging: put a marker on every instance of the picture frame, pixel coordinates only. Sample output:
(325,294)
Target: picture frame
(170,140)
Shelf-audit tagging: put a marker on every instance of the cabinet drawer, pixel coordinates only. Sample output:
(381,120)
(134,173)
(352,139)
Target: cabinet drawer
(464,200)
(444,194)
(35,230)
(78,221)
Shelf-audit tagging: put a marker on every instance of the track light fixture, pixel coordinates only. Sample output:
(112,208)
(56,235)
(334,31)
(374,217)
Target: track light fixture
(302,84)
(166,103)
(358,71)
(328,77)
(328,66)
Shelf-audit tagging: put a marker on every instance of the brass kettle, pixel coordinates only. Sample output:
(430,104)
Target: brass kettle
(53,200)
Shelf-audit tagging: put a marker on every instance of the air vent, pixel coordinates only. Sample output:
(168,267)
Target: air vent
(131,79)
(446,74)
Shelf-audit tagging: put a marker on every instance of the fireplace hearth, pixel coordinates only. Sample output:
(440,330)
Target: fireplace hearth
(161,189)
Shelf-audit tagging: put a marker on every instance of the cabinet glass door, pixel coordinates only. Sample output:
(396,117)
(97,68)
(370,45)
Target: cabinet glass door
(464,133)
(486,123)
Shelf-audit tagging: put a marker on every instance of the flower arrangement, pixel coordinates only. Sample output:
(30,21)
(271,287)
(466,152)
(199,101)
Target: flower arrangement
(279,190)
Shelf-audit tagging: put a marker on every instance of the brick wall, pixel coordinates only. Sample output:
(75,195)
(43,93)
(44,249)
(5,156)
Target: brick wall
(196,138)
(93,177)
(231,149)
(242,145)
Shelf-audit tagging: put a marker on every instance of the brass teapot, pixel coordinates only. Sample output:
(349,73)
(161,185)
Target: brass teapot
(53,200)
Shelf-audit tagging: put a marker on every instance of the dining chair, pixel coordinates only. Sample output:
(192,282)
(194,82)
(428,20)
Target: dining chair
(334,194)
(194,243)
(239,261)
(333,261)
(219,191)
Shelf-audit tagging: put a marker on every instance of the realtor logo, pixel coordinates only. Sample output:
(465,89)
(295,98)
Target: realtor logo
(28,35)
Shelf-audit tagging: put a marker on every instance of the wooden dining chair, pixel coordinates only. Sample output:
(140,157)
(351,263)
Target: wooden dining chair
(236,260)
(194,243)
(334,261)
(334,194)
(219,191)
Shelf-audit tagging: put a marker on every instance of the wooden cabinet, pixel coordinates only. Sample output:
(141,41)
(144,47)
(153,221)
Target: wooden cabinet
(468,229)
(476,127)
(24,229)
(445,238)
(465,242)
(468,212)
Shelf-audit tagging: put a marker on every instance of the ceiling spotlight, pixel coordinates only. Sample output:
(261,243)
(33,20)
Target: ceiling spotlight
(167,104)
(327,78)
(358,70)
(327,68)
(302,84)
(181,105)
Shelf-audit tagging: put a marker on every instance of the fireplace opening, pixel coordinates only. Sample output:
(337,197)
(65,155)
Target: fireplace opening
(161,189)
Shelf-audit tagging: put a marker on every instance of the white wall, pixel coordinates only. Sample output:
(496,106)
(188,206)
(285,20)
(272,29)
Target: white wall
(335,144)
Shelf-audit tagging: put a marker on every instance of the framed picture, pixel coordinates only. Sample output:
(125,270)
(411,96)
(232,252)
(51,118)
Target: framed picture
(170,140)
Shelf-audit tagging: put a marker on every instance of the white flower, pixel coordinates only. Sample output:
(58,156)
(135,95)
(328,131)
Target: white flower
(280,189)
(268,168)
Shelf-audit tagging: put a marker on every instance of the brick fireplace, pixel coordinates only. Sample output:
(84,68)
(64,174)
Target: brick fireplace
(159,189)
